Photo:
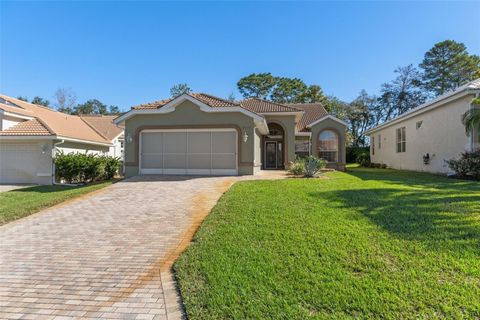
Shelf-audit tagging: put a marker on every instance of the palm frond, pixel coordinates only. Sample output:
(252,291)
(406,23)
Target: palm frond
(471,120)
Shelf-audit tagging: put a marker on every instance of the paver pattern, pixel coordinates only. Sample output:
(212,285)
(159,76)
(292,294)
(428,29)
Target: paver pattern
(106,255)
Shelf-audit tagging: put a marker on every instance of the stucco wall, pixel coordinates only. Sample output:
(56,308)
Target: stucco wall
(187,114)
(441,134)
(339,128)
(257,150)
(70,147)
(288,125)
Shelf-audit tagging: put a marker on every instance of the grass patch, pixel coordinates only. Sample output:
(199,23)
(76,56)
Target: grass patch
(369,243)
(19,203)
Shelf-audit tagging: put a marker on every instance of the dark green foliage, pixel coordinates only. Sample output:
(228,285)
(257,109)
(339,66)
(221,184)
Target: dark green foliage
(353,152)
(257,85)
(179,89)
(83,168)
(467,166)
(363,159)
(309,166)
(40,101)
(448,65)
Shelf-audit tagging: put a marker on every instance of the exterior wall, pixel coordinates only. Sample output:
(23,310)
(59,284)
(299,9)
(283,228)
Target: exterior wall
(257,151)
(71,147)
(189,115)
(7,122)
(288,124)
(441,135)
(116,150)
(329,124)
(26,161)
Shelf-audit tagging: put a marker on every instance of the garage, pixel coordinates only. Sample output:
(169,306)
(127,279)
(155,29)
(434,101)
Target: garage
(189,152)
(24,163)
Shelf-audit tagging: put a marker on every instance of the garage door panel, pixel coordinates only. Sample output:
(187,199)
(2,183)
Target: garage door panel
(199,142)
(151,161)
(175,161)
(223,161)
(153,142)
(199,161)
(223,142)
(175,142)
(202,152)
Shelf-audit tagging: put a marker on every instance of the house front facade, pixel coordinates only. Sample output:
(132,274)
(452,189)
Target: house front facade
(205,135)
(423,138)
(31,135)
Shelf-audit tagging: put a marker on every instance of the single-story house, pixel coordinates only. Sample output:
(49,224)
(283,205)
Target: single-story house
(421,139)
(201,134)
(30,135)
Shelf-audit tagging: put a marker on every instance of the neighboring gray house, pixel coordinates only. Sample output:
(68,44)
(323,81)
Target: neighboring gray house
(433,130)
(202,134)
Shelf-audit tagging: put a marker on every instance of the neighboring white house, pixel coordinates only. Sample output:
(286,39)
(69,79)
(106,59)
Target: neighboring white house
(423,138)
(103,125)
(30,135)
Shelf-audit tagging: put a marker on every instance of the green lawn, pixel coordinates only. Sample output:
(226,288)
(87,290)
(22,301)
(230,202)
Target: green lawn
(19,203)
(369,243)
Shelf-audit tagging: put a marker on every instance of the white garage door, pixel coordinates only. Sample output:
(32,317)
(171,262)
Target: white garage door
(189,151)
(20,162)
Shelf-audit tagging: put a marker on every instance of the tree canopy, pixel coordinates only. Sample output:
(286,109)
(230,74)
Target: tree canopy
(179,89)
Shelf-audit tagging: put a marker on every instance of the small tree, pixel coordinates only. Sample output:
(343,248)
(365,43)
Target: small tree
(471,118)
(179,89)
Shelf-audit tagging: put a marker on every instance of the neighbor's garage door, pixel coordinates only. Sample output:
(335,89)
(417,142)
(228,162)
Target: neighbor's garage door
(189,151)
(19,162)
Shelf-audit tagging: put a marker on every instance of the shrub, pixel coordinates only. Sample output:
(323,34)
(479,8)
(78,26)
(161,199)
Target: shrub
(297,167)
(468,166)
(353,152)
(363,159)
(82,168)
(313,165)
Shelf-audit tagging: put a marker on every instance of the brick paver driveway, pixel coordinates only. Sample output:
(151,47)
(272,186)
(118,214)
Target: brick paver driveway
(106,255)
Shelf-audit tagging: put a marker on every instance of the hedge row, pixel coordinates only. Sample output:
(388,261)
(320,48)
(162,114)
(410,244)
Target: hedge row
(83,168)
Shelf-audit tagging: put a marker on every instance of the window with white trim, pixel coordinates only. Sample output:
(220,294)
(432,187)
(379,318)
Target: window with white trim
(401,140)
(373,145)
(328,146)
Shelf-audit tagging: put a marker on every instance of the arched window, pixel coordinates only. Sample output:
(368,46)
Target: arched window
(328,146)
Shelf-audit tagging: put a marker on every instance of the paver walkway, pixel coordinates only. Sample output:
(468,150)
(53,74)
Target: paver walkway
(106,255)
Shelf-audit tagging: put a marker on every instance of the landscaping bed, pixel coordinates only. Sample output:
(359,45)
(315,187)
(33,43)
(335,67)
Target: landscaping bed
(370,243)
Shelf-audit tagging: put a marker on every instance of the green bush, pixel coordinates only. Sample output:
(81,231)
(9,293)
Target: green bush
(297,167)
(353,152)
(83,168)
(363,159)
(468,166)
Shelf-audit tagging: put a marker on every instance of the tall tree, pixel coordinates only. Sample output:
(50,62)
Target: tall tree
(113,110)
(22,98)
(179,89)
(448,65)
(92,106)
(257,85)
(402,94)
(66,100)
(41,101)
(313,93)
(363,113)
(288,90)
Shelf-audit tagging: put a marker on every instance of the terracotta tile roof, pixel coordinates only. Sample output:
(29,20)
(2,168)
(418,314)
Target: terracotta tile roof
(312,112)
(31,127)
(58,123)
(209,100)
(103,124)
(263,106)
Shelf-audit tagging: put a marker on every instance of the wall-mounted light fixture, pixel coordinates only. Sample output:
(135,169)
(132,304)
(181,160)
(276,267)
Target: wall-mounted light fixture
(129,138)
(245,135)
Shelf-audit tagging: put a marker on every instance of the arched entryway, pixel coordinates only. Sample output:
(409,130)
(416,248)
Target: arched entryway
(274,147)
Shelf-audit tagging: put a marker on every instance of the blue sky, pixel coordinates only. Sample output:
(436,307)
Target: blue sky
(125,53)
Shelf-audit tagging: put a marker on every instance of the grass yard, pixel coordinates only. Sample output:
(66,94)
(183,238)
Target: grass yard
(19,203)
(369,243)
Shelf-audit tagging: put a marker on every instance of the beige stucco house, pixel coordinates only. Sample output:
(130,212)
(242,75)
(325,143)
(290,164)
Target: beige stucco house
(421,139)
(30,136)
(201,134)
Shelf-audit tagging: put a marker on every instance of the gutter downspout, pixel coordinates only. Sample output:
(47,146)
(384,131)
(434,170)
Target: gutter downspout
(54,150)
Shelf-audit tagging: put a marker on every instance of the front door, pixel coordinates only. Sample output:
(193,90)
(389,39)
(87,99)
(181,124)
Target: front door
(271,154)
